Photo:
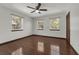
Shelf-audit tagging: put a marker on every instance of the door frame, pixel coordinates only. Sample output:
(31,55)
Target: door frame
(68,27)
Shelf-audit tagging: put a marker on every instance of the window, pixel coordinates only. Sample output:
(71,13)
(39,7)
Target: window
(40,25)
(17,23)
(54,24)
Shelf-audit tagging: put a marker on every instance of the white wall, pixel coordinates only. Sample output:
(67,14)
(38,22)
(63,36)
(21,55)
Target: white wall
(46,31)
(74,23)
(5,26)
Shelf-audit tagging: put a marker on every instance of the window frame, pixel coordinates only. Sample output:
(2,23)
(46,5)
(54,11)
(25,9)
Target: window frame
(50,26)
(38,25)
(20,24)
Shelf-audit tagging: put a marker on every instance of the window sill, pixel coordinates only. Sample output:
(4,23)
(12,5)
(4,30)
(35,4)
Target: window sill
(54,29)
(17,30)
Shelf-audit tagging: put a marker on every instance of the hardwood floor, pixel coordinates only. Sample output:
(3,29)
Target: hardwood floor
(37,45)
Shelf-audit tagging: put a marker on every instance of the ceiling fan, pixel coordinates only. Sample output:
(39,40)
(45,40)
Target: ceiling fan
(37,9)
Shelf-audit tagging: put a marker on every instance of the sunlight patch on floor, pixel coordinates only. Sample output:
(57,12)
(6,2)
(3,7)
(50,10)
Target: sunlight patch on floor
(17,52)
(40,47)
(55,50)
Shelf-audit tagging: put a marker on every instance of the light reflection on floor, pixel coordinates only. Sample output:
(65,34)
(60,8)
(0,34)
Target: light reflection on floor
(18,52)
(40,47)
(55,50)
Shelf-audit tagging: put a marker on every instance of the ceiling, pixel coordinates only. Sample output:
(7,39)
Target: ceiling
(51,7)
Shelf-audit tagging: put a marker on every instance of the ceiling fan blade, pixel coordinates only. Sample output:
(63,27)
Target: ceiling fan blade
(32,11)
(38,6)
(30,7)
(43,9)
